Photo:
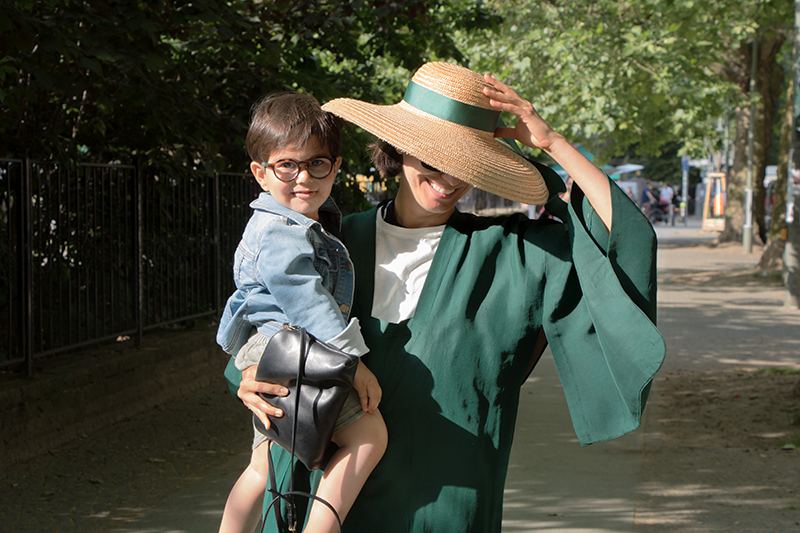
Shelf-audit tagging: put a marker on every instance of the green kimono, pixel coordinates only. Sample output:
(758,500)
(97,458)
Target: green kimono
(451,374)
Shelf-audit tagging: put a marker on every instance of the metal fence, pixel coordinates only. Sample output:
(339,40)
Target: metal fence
(94,252)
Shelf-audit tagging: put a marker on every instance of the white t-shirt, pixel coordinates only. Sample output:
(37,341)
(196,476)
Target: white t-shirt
(403,257)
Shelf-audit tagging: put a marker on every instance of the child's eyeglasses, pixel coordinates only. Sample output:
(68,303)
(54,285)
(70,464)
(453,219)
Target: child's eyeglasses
(288,169)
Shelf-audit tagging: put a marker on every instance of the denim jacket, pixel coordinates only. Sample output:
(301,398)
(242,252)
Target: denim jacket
(289,270)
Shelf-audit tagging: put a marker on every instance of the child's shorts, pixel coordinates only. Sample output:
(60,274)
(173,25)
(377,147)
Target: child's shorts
(251,354)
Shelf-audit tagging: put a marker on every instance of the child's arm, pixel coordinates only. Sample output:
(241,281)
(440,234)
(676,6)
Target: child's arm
(285,264)
(367,387)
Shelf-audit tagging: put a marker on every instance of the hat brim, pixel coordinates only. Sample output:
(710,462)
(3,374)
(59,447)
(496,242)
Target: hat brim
(469,154)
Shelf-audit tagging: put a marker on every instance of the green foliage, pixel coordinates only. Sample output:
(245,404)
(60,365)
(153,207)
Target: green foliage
(665,167)
(612,74)
(173,82)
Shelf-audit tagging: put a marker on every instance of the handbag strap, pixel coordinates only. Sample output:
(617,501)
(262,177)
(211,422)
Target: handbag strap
(291,509)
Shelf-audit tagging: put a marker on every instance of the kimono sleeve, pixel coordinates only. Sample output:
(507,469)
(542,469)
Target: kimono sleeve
(600,311)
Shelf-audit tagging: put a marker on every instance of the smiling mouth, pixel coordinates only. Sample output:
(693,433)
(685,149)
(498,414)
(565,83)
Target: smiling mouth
(440,189)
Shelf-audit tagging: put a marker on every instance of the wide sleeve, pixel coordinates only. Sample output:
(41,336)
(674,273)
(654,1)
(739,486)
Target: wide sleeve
(599,317)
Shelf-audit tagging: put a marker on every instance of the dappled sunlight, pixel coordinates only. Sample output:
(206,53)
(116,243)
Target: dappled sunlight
(198,508)
(707,495)
(732,495)
(789,362)
(688,505)
(718,453)
(713,459)
(673,517)
(716,334)
(539,509)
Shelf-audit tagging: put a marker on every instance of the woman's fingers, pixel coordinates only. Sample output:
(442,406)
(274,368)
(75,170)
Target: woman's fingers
(258,411)
(531,130)
(505,97)
(249,390)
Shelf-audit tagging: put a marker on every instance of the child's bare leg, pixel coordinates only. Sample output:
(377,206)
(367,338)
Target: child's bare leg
(243,508)
(361,446)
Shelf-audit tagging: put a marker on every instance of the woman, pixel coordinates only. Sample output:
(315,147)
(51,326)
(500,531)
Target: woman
(456,308)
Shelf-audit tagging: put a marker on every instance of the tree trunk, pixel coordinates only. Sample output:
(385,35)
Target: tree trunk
(768,83)
(777,226)
(772,258)
(734,199)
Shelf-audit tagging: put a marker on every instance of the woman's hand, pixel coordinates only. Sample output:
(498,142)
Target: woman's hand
(248,389)
(367,387)
(531,129)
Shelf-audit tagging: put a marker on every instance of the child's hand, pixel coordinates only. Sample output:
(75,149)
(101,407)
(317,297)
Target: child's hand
(367,387)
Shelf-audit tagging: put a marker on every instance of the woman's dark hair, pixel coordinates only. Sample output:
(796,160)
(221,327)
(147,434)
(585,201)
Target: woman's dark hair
(387,159)
(291,119)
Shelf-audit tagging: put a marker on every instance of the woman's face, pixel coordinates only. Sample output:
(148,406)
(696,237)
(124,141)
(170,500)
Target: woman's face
(426,197)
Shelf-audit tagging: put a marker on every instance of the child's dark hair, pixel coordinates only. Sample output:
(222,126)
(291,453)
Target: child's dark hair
(387,159)
(291,119)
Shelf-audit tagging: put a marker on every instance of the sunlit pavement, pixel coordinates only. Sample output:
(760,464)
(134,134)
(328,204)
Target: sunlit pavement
(553,484)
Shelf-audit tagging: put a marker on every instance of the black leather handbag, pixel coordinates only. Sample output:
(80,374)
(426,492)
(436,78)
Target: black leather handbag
(319,378)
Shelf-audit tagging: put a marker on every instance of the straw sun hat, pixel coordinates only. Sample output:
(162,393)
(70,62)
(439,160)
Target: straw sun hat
(446,121)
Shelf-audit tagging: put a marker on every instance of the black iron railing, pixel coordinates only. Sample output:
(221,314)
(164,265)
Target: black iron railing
(94,252)
(91,253)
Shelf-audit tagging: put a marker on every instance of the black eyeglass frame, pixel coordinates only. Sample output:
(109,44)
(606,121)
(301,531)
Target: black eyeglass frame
(301,165)
(426,166)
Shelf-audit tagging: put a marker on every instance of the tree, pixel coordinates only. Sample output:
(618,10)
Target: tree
(645,72)
(612,74)
(173,82)
(768,83)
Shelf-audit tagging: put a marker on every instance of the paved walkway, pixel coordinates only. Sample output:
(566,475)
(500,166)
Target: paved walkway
(714,315)
(553,484)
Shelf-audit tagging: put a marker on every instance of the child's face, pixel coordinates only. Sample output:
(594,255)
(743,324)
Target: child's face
(304,194)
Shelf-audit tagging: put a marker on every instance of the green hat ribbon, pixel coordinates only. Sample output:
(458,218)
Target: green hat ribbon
(450,110)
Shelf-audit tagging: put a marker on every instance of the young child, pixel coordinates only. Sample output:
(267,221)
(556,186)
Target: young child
(290,268)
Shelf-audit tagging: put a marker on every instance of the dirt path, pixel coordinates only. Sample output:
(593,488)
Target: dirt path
(101,481)
(722,438)
(715,455)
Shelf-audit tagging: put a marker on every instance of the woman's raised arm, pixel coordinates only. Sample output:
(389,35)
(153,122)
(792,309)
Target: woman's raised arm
(532,131)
